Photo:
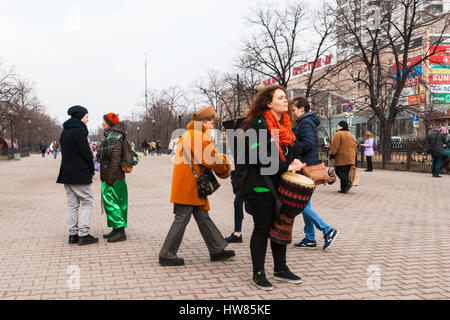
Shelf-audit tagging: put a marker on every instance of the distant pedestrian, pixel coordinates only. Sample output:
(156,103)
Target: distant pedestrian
(343,153)
(114,186)
(436,147)
(184,195)
(369,151)
(76,172)
(172,147)
(43,148)
(145,147)
(50,148)
(55,149)
(152,148)
(158,148)
(307,151)
(446,159)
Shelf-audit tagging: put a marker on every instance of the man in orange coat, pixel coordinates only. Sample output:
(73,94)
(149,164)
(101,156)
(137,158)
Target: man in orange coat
(185,195)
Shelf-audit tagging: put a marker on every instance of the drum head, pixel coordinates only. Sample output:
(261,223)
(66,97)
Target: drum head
(298,179)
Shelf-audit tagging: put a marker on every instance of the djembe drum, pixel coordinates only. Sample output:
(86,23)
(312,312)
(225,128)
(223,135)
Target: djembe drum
(294,191)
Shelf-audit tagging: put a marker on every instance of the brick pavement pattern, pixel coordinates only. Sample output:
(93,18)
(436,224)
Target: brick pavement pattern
(395,222)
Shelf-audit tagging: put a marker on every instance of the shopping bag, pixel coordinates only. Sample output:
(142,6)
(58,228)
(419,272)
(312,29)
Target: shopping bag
(354,176)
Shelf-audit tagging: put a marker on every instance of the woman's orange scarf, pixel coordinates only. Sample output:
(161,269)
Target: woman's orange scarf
(285,137)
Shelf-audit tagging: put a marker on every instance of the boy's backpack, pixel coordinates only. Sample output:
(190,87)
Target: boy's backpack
(129,159)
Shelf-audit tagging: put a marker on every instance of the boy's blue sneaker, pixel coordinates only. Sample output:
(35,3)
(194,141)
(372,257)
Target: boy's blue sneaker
(329,238)
(306,244)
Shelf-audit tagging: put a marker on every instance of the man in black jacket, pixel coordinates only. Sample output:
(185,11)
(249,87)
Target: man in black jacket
(76,172)
(437,143)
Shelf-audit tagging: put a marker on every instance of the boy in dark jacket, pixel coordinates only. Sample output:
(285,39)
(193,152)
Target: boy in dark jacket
(307,150)
(76,172)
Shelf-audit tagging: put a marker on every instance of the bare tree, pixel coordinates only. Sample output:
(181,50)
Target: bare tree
(389,36)
(319,52)
(219,90)
(161,118)
(273,50)
(22,115)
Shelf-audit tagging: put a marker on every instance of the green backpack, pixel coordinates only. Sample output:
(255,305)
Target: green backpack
(129,157)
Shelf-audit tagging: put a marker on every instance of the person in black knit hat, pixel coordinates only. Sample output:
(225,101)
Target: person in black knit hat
(76,172)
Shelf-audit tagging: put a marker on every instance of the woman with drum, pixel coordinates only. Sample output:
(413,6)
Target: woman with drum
(269,122)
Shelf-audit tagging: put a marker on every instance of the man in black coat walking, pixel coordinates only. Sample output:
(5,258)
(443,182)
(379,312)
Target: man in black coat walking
(437,144)
(76,172)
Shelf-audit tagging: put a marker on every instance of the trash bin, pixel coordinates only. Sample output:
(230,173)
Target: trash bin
(16,156)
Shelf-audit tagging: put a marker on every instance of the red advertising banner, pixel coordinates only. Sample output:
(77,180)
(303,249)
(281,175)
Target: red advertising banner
(440,50)
(439,78)
(304,68)
(409,63)
(321,62)
(440,60)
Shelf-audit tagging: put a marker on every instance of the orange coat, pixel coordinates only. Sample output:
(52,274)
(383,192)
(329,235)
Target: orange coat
(184,184)
(343,146)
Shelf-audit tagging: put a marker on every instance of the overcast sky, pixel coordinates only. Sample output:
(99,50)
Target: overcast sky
(92,52)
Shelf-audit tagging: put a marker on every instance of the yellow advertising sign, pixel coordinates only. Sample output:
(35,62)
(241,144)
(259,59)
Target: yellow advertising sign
(440,71)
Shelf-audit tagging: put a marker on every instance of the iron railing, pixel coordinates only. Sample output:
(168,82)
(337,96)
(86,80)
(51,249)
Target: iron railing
(404,155)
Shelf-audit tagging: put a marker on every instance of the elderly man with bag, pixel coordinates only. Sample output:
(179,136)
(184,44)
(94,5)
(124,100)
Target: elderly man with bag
(343,151)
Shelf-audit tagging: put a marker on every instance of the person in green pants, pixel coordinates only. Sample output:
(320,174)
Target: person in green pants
(114,186)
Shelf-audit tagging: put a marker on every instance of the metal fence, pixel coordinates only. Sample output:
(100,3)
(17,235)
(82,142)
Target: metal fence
(404,155)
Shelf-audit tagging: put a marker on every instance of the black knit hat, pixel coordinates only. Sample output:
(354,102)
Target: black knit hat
(343,124)
(77,112)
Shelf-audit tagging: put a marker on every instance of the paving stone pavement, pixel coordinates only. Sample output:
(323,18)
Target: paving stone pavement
(396,224)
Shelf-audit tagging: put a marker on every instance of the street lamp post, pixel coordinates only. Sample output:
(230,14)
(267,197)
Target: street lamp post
(137,138)
(238,97)
(153,129)
(180,115)
(11,118)
(29,135)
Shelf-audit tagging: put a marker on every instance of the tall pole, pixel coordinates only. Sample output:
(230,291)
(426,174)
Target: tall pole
(29,135)
(12,136)
(137,138)
(153,129)
(146,97)
(179,118)
(238,97)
